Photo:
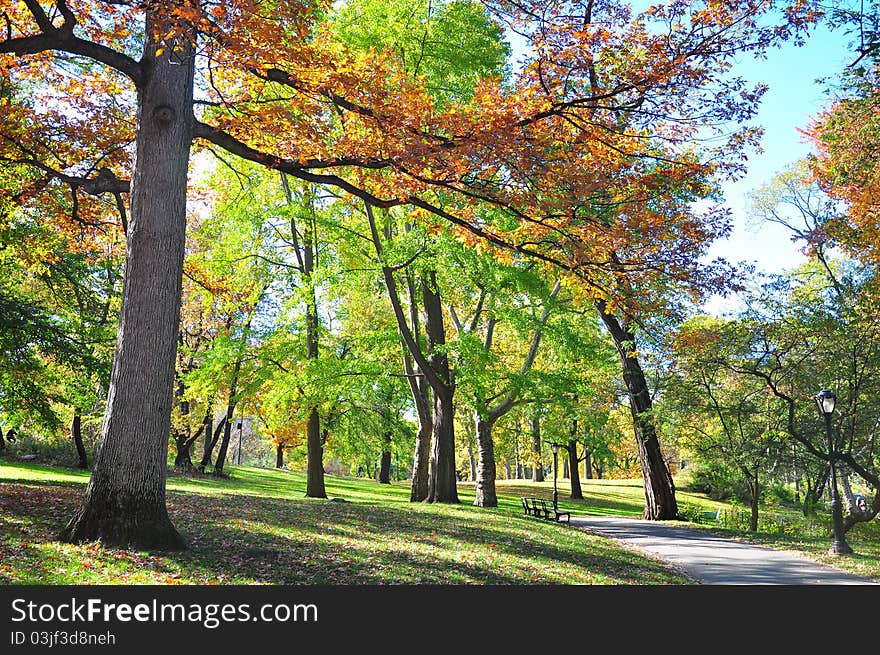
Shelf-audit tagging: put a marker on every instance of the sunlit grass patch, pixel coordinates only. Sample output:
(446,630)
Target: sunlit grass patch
(256,527)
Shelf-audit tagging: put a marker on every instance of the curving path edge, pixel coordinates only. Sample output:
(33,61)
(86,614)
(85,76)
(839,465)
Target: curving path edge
(710,559)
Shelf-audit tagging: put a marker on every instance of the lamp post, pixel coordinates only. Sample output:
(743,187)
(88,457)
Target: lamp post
(239,443)
(555,448)
(825,400)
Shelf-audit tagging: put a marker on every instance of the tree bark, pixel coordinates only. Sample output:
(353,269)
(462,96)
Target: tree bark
(183,459)
(227,424)
(279,456)
(573,468)
(420,390)
(76,435)
(472,463)
(124,503)
(422,455)
(212,437)
(660,503)
(442,486)
(421,458)
(848,496)
(538,466)
(385,460)
(315,442)
(486,471)
(315,456)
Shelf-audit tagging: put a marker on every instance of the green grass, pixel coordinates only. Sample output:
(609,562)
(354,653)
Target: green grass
(257,527)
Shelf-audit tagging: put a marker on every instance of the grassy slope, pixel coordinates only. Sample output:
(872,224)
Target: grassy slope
(257,527)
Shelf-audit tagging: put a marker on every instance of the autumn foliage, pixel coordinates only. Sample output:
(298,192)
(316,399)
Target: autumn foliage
(586,158)
(846,138)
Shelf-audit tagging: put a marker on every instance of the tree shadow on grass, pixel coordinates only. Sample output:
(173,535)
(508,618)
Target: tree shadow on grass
(242,539)
(327,543)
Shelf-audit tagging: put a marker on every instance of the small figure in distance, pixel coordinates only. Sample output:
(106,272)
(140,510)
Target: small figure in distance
(861,503)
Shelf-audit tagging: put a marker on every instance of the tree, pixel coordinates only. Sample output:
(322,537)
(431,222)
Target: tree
(826,304)
(726,418)
(272,79)
(54,335)
(845,137)
(433,364)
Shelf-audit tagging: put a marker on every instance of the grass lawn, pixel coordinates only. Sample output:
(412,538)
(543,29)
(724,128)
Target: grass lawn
(256,527)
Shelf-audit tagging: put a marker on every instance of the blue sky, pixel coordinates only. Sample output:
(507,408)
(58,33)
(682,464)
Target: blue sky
(792,100)
(794,97)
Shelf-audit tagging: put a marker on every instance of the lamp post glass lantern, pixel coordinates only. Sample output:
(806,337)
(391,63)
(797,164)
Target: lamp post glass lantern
(825,400)
(555,448)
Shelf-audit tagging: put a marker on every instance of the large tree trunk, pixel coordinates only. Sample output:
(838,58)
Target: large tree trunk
(124,503)
(76,435)
(574,471)
(279,456)
(183,459)
(421,457)
(385,460)
(420,390)
(756,496)
(315,456)
(315,442)
(212,437)
(486,472)
(227,426)
(660,503)
(442,486)
(538,465)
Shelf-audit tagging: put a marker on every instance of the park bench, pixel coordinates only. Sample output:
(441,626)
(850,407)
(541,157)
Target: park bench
(549,509)
(541,509)
(532,507)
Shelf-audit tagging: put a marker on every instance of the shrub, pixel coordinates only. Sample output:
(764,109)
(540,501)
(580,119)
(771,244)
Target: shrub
(719,482)
(52,450)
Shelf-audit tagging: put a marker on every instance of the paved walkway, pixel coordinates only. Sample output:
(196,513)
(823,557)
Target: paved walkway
(710,559)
